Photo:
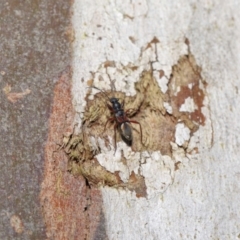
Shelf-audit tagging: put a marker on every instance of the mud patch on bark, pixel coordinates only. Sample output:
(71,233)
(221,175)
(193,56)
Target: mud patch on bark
(162,115)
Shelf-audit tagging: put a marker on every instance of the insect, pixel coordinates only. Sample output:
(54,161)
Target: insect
(122,122)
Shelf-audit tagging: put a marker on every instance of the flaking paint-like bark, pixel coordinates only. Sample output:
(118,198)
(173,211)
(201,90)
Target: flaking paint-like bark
(161,125)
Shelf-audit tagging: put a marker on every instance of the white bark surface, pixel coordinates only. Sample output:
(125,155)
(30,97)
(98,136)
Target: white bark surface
(200,200)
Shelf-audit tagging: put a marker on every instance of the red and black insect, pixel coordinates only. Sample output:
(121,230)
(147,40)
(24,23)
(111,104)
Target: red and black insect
(122,122)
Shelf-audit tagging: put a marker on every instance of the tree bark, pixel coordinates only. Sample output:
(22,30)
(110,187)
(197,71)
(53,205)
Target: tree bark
(190,51)
(174,65)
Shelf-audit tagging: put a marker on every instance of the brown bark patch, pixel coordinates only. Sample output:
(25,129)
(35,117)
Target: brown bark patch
(71,209)
(186,82)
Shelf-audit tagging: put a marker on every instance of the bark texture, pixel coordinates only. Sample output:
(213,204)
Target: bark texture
(175,65)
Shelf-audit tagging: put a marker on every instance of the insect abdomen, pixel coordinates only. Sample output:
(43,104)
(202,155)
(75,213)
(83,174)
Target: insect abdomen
(126,132)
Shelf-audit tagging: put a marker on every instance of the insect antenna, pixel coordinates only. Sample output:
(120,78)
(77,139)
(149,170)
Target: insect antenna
(101,91)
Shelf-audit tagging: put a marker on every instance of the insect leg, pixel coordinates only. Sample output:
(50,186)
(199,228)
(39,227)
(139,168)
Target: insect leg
(122,104)
(129,110)
(110,108)
(109,120)
(132,121)
(115,138)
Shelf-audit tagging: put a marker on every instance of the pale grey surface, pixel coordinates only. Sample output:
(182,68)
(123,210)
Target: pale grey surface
(202,202)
